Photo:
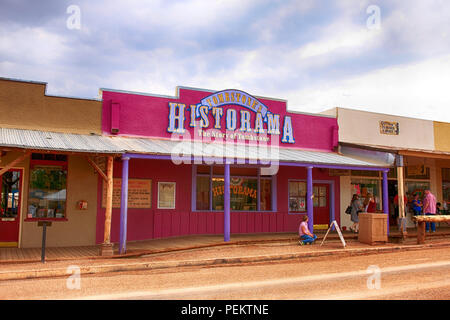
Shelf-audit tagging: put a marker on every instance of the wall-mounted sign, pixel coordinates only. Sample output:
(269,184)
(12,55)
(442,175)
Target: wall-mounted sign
(166,195)
(139,193)
(417,170)
(210,113)
(390,128)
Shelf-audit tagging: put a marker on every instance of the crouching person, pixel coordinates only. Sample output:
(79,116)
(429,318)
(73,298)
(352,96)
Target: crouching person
(306,237)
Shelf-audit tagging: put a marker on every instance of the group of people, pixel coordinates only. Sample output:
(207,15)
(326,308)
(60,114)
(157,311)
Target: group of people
(367,205)
(427,206)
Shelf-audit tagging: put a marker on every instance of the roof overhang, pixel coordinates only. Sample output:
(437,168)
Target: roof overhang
(148,148)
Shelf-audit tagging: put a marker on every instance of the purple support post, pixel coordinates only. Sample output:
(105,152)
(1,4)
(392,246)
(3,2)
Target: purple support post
(124,207)
(226,204)
(309,199)
(274,192)
(258,191)
(386,197)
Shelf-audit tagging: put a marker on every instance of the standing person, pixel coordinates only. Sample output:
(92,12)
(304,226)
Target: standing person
(306,237)
(370,204)
(356,209)
(417,205)
(429,208)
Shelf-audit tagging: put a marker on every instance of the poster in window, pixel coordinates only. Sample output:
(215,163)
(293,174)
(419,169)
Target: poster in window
(302,204)
(166,195)
(293,204)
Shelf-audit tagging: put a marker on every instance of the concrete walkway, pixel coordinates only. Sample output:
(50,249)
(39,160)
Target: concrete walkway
(138,248)
(208,250)
(154,246)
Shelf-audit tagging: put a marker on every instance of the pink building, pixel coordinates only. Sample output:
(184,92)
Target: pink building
(206,162)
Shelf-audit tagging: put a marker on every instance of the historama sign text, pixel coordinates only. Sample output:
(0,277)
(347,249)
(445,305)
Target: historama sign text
(216,111)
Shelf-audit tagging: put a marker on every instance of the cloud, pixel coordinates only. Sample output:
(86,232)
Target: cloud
(417,90)
(315,54)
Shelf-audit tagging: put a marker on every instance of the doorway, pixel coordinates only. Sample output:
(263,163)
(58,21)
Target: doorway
(11,186)
(321,204)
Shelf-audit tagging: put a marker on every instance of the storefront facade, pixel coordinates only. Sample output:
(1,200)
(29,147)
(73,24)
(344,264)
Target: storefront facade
(420,146)
(219,162)
(41,178)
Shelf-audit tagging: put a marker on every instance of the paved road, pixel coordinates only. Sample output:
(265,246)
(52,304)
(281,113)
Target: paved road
(401,275)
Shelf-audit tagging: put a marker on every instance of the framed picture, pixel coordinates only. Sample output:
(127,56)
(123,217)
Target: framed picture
(166,195)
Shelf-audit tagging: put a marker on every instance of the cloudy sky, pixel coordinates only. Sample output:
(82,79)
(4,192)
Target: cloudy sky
(377,55)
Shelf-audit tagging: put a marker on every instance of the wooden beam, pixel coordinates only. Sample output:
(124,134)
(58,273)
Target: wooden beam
(419,154)
(97,168)
(14,162)
(109,199)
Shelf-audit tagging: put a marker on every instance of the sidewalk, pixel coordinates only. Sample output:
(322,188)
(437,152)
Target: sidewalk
(203,251)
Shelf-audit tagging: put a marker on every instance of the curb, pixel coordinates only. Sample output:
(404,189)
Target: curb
(142,252)
(140,266)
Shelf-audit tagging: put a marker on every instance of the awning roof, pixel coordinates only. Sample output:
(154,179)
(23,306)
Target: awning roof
(56,141)
(66,142)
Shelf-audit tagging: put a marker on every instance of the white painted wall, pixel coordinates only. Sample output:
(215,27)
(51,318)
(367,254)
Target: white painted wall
(361,127)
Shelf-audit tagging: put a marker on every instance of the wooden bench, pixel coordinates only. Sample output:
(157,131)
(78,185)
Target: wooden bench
(422,220)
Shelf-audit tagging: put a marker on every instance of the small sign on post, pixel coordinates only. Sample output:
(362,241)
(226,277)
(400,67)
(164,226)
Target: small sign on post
(44,225)
(338,231)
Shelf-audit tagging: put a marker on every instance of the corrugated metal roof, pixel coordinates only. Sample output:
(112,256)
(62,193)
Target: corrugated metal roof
(56,141)
(52,141)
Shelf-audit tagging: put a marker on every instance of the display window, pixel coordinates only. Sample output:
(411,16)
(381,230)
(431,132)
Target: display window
(48,187)
(243,194)
(244,186)
(297,196)
(363,187)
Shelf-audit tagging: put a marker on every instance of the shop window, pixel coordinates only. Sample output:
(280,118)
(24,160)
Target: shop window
(202,193)
(243,194)
(297,196)
(48,184)
(366,186)
(243,189)
(10,194)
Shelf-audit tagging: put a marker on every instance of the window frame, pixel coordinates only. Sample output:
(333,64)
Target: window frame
(258,178)
(174,195)
(56,163)
(289,197)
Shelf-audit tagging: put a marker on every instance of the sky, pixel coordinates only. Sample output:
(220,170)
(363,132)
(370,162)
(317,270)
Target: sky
(382,56)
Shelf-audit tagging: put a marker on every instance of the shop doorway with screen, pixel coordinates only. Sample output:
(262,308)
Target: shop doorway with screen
(10,207)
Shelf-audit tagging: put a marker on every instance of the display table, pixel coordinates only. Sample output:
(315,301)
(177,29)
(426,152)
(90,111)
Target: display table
(372,228)
(422,220)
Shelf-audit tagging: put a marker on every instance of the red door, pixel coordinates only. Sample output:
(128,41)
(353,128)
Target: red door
(10,207)
(321,203)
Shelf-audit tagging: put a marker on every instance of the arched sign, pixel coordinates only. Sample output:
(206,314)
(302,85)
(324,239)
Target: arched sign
(210,113)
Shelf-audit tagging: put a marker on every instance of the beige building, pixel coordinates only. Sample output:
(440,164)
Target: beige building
(45,144)
(423,146)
